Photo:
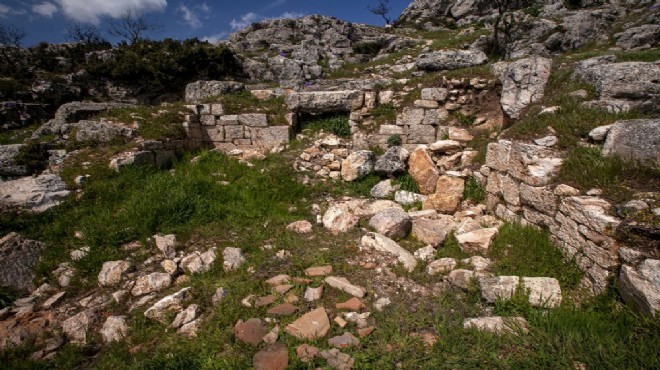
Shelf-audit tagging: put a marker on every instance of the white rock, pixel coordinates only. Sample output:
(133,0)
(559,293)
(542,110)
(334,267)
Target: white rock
(153,282)
(497,324)
(170,303)
(392,223)
(477,241)
(232,258)
(112,272)
(441,266)
(114,329)
(166,244)
(425,254)
(343,284)
(384,244)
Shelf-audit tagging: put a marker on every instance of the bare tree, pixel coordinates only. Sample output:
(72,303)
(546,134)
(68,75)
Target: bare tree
(382,8)
(11,39)
(131,26)
(84,33)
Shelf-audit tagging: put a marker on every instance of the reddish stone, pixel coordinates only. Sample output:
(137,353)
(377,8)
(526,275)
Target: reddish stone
(353,304)
(306,353)
(272,357)
(283,309)
(250,332)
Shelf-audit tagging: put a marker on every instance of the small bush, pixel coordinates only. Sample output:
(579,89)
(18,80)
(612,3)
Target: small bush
(394,140)
(474,191)
(377,150)
(34,155)
(369,48)
(336,124)
(384,113)
(407,183)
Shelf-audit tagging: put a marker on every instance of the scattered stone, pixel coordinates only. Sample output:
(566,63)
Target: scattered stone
(79,254)
(272,336)
(429,339)
(166,244)
(383,189)
(154,282)
(441,266)
(218,296)
(477,241)
(343,284)
(363,332)
(425,254)
(384,244)
(445,146)
(306,353)
(264,301)
(478,263)
(337,219)
(547,141)
(600,133)
(461,278)
(497,324)
(381,303)
(319,271)
(170,267)
(52,301)
(250,332)
(341,322)
(282,289)
(278,280)
(172,302)
(393,161)
(312,325)
(353,304)
(184,317)
(523,83)
(566,191)
(300,227)
(345,340)
(357,164)
(232,258)
(392,223)
(500,287)
(423,170)
(77,326)
(635,140)
(285,309)
(196,263)
(432,232)
(448,195)
(338,360)
(313,294)
(408,198)
(272,357)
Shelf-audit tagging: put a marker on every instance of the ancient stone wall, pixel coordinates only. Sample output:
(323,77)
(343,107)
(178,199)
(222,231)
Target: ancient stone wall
(519,187)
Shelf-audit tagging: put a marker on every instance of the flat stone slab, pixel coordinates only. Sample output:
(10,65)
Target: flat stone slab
(312,325)
(343,284)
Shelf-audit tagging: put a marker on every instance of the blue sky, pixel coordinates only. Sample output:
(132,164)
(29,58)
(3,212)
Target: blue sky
(45,20)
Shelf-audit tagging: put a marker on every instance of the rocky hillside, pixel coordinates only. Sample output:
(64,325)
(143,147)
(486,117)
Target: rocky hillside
(475,187)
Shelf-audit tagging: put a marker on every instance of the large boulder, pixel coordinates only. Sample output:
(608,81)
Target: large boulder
(69,113)
(357,164)
(423,170)
(450,59)
(325,101)
(200,90)
(393,161)
(636,140)
(101,131)
(448,194)
(393,223)
(641,286)
(622,86)
(8,161)
(18,256)
(524,83)
(36,194)
(638,38)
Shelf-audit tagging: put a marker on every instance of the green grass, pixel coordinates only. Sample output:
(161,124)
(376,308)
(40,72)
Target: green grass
(245,102)
(17,136)
(586,168)
(333,123)
(407,183)
(154,122)
(384,114)
(474,191)
(526,251)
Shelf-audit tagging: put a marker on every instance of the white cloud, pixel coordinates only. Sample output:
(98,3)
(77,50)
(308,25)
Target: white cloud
(216,37)
(90,11)
(7,10)
(275,4)
(46,9)
(190,17)
(246,20)
(249,18)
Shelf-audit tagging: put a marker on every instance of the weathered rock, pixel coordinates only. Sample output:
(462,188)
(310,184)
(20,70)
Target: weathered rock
(112,272)
(325,101)
(393,161)
(425,254)
(186,316)
(497,324)
(392,223)
(77,326)
(423,170)
(450,59)
(600,133)
(18,256)
(357,164)
(543,291)
(343,284)
(132,158)
(441,266)
(300,227)
(639,38)
(445,146)
(250,332)
(272,357)
(312,325)
(166,244)
(432,232)
(339,219)
(8,164)
(200,90)
(313,294)
(36,194)
(448,194)
(172,302)
(68,113)
(345,340)
(408,198)
(636,141)
(353,305)
(153,282)
(196,263)
(232,258)
(461,278)
(114,329)
(219,295)
(524,83)
(306,353)
(338,360)
(319,270)
(383,189)
(384,244)
(500,287)
(101,131)
(641,287)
